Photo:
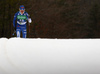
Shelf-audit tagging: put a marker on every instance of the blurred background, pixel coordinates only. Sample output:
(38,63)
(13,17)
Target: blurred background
(54,18)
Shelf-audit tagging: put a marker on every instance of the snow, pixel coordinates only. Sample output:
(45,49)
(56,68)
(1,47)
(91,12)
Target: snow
(49,56)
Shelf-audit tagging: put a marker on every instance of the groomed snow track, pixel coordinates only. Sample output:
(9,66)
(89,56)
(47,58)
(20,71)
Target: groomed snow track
(49,56)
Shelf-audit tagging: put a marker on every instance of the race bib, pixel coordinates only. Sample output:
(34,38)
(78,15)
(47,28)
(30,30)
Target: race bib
(21,17)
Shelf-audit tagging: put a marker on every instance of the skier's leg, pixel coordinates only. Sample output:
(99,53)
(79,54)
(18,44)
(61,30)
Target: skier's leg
(24,32)
(18,33)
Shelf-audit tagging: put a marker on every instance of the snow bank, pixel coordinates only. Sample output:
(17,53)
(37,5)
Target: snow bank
(49,56)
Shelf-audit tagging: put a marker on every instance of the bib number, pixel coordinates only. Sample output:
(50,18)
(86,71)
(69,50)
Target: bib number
(21,20)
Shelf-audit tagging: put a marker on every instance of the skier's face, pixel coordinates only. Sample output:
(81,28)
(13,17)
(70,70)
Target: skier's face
(22,11)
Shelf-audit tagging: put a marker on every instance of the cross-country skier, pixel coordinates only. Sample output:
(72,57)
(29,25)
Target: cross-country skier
(21,17)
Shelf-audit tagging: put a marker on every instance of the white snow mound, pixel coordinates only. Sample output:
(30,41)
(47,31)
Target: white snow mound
(49,56)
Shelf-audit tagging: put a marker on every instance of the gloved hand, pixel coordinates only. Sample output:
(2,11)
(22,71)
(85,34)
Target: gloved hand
(29,20)
(14,30)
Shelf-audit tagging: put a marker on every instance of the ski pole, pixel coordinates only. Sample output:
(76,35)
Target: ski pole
(29,27)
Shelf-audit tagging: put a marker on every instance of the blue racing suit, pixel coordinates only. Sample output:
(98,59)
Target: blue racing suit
(21,23)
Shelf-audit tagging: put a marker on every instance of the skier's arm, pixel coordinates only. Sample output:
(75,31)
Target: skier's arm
(14,20)
(28,18)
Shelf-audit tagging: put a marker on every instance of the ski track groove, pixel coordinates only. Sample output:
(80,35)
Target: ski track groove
(7,61)
(10,61)
(2,70)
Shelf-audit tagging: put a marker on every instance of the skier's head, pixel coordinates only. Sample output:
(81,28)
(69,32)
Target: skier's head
(22,9)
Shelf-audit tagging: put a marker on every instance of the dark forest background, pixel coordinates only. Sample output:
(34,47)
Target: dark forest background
(54,18)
